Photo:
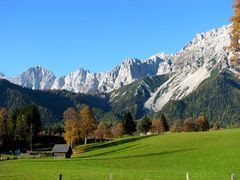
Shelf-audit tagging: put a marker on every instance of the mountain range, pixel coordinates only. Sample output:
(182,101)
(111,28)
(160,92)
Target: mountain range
(144,85)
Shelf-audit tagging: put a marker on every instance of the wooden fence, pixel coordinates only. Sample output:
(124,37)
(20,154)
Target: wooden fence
(233,177)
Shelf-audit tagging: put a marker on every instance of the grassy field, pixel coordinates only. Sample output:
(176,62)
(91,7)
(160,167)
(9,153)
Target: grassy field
(205,155)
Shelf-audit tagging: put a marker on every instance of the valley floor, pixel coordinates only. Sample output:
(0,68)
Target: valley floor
(204,155)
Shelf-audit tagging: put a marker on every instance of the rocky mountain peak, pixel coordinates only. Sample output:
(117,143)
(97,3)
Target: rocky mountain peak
(35,77)
(188,68)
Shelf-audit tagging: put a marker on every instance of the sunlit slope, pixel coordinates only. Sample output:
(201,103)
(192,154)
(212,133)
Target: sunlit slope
(204,155)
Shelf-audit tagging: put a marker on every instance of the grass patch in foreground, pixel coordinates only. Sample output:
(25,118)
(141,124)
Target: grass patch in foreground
(205,155)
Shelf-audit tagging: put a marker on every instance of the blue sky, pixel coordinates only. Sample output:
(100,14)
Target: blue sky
(64,35)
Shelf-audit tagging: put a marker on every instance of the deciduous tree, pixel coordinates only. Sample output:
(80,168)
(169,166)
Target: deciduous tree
(118,130)
(102,131)
(177,126)
(158,126)
(188,125)
(88,123)
(235,34)
(71,126)
(202,123)
(215,127)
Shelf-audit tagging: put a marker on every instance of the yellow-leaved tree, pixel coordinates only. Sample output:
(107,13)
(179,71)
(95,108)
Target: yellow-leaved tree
(71,126)
(102,131)
(88,123)
(235,34)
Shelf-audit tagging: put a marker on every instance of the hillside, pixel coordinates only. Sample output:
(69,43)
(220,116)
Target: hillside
(217,97)
(51,104)
(180,84)
(133,96)
(204,155)
(189,67)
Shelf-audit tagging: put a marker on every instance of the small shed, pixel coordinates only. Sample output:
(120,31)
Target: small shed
(62,151)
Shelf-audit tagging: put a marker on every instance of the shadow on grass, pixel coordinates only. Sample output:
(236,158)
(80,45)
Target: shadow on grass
(140,155)
(113,143)
(111,152)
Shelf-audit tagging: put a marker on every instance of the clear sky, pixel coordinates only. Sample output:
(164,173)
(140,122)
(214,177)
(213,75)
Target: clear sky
(64,35)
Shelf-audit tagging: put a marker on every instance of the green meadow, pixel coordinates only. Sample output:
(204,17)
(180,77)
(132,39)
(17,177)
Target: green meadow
(204,155)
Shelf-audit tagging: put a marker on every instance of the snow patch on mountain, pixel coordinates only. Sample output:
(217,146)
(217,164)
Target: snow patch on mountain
(191,66)
(177,87)
(188,68)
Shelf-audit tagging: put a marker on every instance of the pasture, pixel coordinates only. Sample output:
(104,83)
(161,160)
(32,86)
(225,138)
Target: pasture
(205,155)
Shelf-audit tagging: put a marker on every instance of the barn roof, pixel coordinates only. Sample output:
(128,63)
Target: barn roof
(61,148)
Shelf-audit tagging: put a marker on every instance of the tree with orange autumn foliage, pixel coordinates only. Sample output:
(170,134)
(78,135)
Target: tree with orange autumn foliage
(235,34)
(157,126)
(118,130)
(189,125)
(71,126)
(202,123)
(88,123)
(102,131)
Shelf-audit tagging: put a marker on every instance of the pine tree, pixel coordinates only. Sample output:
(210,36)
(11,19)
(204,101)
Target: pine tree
(32,118)
(129,124)
(144,124)
(18,127)
(88,123)
(164,120)
(235,34)
(4,131)
(12,127)
(22,131)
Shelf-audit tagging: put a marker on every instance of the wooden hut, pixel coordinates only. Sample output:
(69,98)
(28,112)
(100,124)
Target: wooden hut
(62,151)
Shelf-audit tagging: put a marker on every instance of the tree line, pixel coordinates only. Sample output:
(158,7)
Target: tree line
(82,125)
(18,127)
(161,125)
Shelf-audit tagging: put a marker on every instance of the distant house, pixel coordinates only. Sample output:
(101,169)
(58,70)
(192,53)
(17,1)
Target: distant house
(62,151)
